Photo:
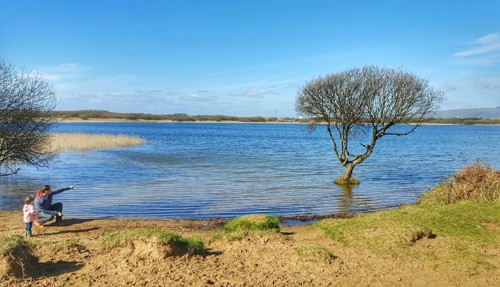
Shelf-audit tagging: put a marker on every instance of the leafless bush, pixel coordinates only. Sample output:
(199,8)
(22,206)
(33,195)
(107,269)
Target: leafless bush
(474,182)
(27,102)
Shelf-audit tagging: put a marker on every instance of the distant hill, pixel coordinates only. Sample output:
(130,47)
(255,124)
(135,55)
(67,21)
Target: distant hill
(484,113)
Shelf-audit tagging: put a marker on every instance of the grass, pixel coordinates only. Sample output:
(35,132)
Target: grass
(465,221)
(85,142)
(17,255)
(14,244)
(256,224)
(192,245)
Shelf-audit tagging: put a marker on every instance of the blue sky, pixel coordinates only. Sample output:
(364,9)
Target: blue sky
(246,58)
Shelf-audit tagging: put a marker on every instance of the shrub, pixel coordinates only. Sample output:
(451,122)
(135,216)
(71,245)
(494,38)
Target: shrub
(16,256)
(473,182)
(12,244)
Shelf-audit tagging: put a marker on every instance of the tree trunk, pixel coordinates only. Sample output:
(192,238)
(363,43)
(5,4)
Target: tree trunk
(346,178)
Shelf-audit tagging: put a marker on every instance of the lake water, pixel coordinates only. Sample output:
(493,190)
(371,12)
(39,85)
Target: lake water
(213,170)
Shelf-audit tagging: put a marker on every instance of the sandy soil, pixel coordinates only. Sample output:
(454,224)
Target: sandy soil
(270,260)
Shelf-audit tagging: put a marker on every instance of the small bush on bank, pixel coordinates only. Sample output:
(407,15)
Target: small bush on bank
(16,255)
(192,245)
(474,182)
(243,226)
(12,244)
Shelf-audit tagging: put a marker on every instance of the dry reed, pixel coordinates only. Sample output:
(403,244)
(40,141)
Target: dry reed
(85,142)
(473,182)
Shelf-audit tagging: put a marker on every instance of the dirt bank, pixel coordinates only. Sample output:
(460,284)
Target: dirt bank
(70,254)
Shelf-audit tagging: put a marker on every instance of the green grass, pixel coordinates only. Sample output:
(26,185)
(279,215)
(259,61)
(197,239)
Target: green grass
(14,244)
(252,224)
(192,245)
(465,221)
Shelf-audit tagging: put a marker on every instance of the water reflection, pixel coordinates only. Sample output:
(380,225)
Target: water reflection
(345,202)
(352,199)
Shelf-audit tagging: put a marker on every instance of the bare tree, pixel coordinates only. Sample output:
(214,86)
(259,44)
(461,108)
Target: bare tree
(362,105)
(27,103)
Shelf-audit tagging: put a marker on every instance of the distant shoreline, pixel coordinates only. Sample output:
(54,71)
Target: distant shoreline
(121,120)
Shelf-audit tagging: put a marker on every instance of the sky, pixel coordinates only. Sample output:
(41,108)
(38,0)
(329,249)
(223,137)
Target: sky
(246,58)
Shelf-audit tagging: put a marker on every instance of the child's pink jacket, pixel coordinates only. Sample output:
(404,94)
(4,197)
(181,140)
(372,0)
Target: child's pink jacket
(30,214)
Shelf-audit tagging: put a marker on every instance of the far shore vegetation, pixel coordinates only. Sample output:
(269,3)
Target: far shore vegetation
(84,142)
(89,115)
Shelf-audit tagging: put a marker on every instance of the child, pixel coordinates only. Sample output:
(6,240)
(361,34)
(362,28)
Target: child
(30,215)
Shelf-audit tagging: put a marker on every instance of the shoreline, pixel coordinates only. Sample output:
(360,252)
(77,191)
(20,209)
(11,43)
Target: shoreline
(120,120)
(71,254)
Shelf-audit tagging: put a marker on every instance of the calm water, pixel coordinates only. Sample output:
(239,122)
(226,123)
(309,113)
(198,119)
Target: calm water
(194,170)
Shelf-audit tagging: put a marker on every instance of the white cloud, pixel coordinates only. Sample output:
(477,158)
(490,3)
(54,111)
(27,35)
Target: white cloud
(448,87)
(195,97)
(70,68)
(254,93)
(486,44)
(64,72)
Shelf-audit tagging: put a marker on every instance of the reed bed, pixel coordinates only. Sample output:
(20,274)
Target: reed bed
(86,142)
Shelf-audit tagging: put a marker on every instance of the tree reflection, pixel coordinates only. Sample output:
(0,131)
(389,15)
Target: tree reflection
(346,201)
(349,204)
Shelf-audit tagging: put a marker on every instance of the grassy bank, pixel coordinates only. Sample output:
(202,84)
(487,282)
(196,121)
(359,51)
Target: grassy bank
(457,222)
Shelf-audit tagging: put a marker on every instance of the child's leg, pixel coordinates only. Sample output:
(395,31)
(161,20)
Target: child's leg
(27,229)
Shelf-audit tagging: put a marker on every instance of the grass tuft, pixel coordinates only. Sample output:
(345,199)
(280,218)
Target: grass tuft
(242,226)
